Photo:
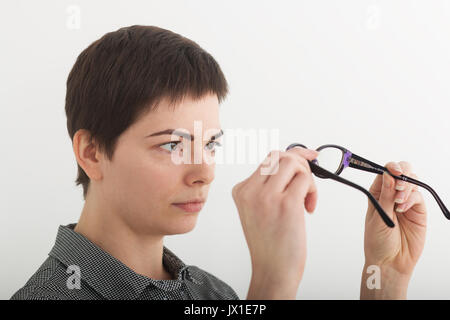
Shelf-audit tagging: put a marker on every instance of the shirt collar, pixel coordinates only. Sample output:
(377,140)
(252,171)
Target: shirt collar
(106,274)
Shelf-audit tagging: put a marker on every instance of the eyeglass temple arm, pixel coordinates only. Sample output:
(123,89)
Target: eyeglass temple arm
(435,195)
(360,163)
(322,173)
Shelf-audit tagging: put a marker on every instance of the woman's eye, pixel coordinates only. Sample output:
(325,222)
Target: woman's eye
(170,144)
(212,145)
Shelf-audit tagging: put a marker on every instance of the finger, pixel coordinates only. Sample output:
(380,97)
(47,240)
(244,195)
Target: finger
(302,188)
(308,154)
(388,193)
(414,208)
(266,167)
(257,179)
(270,165)
(403,194)
(412,188)
(406,170)
(375,188)
(311,199)
(290,165)
(408,190)
(280,177)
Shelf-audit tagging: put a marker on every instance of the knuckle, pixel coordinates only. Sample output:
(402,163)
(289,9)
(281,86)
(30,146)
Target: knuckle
(274,153)
(234,191)
(238,191)
(236,194)
(269,159)
(289,159)
(299,159)
(304,161)
(294,161)
(244,199)
(302,170)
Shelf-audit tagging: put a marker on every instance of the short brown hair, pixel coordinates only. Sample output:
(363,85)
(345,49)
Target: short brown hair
(125,73)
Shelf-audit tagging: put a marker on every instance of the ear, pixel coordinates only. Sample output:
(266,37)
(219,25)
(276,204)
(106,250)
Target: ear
(87,154)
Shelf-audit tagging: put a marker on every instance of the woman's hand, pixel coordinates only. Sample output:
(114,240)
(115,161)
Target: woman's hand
(271,209)
(394,250)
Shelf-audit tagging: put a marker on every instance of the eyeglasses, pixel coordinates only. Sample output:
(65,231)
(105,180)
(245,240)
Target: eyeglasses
(333,159)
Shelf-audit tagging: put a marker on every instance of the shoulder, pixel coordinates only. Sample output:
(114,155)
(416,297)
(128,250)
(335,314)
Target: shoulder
(34,288)
(47,283)
(216,286)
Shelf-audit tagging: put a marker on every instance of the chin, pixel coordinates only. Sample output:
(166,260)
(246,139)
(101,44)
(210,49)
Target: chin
(182,225)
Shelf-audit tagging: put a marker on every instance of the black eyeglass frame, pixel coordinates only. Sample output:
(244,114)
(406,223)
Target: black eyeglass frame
(350,159)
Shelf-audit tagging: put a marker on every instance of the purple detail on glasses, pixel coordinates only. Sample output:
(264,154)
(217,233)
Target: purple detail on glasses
(347,156)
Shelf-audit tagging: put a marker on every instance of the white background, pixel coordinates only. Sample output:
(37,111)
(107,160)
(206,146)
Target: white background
(372,76)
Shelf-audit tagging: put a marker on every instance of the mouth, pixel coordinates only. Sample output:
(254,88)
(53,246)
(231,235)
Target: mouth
(191,206)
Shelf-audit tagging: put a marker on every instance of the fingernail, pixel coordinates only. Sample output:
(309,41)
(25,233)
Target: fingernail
(400,186)
(400,208)
(397,167)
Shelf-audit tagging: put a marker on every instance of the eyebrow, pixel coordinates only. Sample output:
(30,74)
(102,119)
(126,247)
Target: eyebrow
(182,134)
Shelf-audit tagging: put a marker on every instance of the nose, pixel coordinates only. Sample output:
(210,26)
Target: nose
(201,172)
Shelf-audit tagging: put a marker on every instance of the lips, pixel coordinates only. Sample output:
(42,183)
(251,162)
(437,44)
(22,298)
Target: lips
(190,206)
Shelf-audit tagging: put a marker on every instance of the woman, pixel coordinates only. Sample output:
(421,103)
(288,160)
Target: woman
(133,99)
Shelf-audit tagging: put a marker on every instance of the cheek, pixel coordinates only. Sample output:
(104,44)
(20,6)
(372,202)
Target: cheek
(161,181)
(152,182)
(143,179)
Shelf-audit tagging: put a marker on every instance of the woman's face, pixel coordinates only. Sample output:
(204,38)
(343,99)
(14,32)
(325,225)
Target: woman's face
(143,180)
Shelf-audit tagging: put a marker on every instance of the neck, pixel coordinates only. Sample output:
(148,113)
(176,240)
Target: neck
(141,253)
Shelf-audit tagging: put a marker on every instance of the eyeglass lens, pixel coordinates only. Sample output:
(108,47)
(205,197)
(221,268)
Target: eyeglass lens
(330,158)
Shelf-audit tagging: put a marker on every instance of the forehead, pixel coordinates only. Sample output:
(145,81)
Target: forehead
(184,114)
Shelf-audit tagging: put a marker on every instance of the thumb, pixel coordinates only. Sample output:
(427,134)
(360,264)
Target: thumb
(311,202)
